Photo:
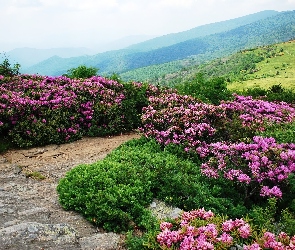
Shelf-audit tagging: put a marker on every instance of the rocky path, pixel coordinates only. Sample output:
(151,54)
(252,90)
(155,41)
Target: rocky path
(30,214)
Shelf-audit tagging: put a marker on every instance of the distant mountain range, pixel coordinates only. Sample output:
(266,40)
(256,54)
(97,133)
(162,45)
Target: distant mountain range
(201,43)
(27,57)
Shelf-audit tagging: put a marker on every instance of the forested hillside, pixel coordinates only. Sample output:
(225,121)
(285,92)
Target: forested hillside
(261,66)
(201,31)
(271,30)
(268,30)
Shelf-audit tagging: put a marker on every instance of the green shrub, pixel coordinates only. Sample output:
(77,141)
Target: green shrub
(275,93)
(6,69)
(114,193)
(255,92)
(211,91)
(81,71)
(5,144)
(283,133)
(287,222)
(273,219)
(107,193)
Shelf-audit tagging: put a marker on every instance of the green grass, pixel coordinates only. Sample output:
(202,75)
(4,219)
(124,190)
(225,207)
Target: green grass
(34,175)
(279,69)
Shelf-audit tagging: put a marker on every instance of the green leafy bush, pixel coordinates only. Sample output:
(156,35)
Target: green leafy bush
(108,193)
(283,132)
(6,69)
(274,93)
(212,91)
(270,218)
(114,193)
(81,71)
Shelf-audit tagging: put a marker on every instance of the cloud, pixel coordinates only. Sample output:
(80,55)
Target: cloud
(53,23)
(79,5)
(175,3)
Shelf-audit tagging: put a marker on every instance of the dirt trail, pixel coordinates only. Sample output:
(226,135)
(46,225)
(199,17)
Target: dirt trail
(30,215)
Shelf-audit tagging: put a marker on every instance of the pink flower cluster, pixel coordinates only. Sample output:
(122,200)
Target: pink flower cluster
(258,113)
(270,241)
(178,119)
(262,161)
(173,118)
(202,230)
(31,99)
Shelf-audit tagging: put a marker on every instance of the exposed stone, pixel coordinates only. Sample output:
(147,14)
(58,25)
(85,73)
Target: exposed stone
(30,214)
(162,211)
(98,242)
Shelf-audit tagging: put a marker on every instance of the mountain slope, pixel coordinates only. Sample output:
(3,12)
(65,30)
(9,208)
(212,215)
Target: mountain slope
(258,67)
(27,57)
(266,31)
(201,31)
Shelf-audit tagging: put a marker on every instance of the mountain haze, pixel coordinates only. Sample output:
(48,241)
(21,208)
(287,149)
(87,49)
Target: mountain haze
(267,27)
(27,57)
(200,31)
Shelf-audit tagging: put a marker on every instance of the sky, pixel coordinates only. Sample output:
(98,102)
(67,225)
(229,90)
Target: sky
(94,23)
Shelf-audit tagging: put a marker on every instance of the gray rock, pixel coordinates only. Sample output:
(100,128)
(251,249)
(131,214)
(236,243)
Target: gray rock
(162,211)
(105,241)
(24,233)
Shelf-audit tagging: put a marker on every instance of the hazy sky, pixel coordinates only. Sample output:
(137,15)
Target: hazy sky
(90,23)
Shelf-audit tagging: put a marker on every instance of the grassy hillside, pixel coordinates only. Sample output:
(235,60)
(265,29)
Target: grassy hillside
(276,69)
(258,67)
(264,32)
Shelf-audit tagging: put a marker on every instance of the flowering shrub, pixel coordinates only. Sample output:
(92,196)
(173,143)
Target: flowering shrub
(257,114)
(200,229)
(173,118)
(261,163)
(41,110)
(38,110)
(247,116)
(199,127)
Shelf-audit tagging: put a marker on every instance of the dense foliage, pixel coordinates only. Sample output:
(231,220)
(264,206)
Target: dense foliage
(81,71)
(274,93)
(37,110)
(114,193)
(212,91)
(220,159)
(194,140)
(6,69)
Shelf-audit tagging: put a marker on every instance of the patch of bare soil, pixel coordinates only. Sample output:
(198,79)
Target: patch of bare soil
(30,214)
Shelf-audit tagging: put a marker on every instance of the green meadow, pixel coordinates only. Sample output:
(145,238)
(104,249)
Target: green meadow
(275,69)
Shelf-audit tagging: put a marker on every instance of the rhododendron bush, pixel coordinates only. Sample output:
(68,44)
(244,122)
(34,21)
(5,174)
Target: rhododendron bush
(205,129)
(38,110)
(225,137)
(201,229)
(173,118)
(263,163)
